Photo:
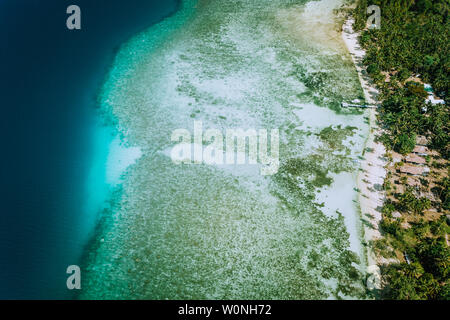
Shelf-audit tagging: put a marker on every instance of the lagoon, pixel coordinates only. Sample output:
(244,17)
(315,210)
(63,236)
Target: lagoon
(203,232)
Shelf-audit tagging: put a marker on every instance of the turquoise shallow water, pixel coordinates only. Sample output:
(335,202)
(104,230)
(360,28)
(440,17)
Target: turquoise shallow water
(198,231)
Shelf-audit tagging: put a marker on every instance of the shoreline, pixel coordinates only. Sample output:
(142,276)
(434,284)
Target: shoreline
(372,172)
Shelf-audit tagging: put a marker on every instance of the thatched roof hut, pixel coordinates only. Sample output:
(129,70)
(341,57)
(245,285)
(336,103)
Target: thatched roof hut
(421,150)
(421,140)
(413,182)
(414,158)
(413,170)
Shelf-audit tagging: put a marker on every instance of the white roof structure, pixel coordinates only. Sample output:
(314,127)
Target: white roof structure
(431,98)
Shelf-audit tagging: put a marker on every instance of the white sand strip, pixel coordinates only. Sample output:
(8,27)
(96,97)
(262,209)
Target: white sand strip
(373,165)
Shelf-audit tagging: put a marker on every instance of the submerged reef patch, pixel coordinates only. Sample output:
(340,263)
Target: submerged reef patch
(204,232)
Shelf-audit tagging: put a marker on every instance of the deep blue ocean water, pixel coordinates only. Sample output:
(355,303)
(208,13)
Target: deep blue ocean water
(50,77)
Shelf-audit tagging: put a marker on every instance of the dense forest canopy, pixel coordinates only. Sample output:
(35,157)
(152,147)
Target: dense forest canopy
(413,39)
(410,49)
(412,43)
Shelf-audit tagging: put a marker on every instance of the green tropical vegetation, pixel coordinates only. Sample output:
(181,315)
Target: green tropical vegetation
(413,41)
(412,48)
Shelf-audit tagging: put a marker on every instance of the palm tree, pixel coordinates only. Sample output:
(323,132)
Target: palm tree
(413,270)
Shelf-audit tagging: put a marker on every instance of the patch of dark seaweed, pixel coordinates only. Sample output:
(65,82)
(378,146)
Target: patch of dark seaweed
(335,136)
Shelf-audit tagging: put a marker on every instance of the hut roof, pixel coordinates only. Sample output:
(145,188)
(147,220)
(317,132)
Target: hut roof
(411,169)
(396,157)
(421,141)
(413,158)
(420,149)
(413,182)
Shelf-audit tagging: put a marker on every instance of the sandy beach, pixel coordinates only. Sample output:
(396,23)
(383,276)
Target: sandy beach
(372,174)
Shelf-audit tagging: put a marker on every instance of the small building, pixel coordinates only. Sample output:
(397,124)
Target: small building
(414,158)
(428,88)
(396,214)
(431,97)
(413,182)
(421,141)
(396,157)
(421,150)
(412,170)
